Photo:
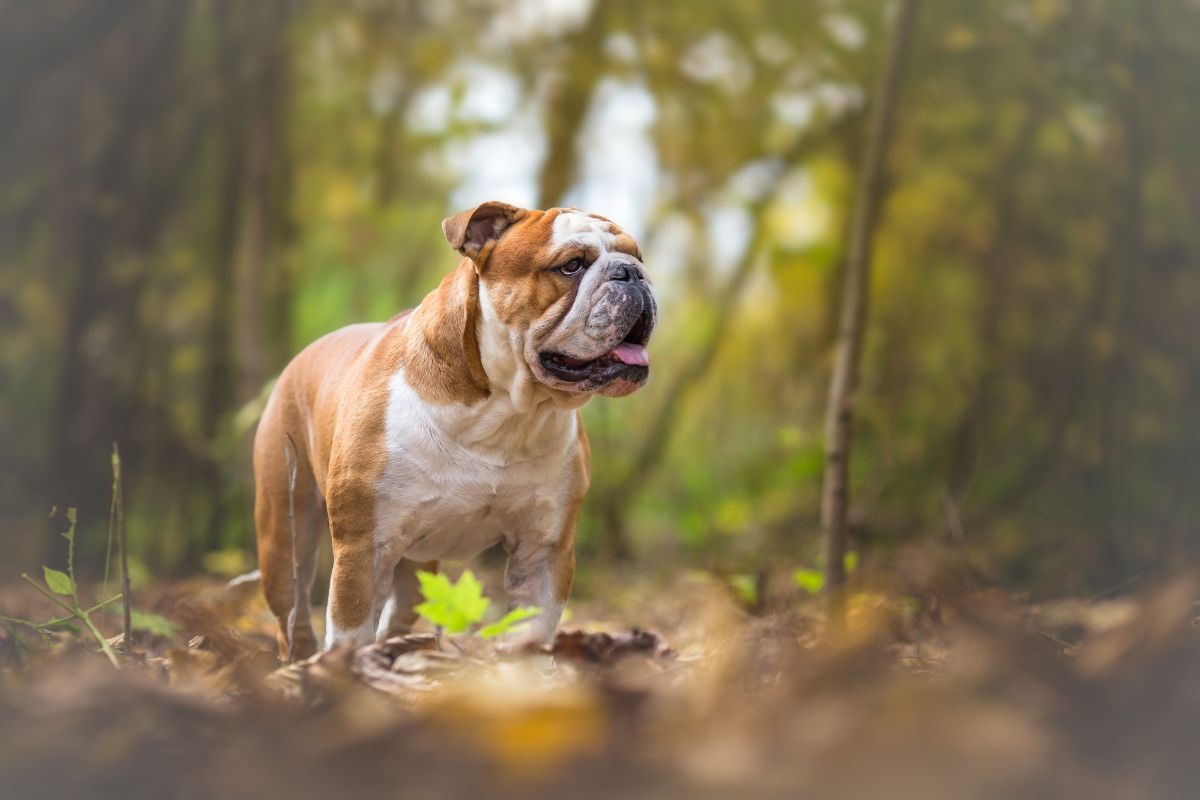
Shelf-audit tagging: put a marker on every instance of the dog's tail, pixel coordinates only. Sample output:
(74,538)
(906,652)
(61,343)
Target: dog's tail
(242,580)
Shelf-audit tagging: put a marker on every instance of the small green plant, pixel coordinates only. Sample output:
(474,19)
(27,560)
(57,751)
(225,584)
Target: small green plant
(812,580)
(457,607)
(60,584)
(57,584)
(745,586)
(154,624)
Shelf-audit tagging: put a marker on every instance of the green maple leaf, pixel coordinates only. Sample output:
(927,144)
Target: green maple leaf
(513,619)
(453,606)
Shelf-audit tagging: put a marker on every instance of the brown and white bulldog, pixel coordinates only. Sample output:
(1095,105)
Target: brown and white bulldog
(453,426)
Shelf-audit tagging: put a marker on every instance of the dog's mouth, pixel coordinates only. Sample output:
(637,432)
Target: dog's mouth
(628,360)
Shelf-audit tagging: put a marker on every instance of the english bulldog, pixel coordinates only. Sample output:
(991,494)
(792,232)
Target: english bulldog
(454,426)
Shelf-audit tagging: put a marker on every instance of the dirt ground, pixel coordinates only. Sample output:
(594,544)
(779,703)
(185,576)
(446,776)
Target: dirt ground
(653,688)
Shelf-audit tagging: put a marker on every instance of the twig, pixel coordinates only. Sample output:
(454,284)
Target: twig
(25,577)
(108,651)
(1060,642)
(953,518)
(122,546)
(1125,584)
(292,456)
(53,623)
(865,213)
(79,614)
(112,521)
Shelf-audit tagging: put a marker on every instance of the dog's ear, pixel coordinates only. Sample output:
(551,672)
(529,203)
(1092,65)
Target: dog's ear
(474,232)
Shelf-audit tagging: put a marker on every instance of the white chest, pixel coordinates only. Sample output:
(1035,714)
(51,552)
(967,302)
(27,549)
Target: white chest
(460,479)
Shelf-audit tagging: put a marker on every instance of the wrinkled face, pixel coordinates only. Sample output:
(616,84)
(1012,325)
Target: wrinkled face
(570,287)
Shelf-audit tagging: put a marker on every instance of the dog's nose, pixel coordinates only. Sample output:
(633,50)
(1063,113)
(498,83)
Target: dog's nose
(621,272)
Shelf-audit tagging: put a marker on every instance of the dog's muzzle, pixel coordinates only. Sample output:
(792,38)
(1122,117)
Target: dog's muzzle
(617,328)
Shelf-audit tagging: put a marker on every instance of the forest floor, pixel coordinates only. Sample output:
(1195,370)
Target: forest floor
(653,688)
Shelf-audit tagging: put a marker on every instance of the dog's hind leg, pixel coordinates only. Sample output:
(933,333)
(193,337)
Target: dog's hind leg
(273,508)
(398,614)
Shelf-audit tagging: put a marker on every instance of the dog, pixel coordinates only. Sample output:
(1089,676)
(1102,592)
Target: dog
(452,427)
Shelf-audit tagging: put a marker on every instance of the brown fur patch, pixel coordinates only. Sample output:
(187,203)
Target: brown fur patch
(518,268)
(305,404)
(441,349)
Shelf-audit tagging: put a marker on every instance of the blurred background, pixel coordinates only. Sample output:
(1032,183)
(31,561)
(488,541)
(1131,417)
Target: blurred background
(190,192)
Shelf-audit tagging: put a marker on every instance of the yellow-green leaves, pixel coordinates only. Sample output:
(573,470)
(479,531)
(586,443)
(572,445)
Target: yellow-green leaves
(809,579)
(456,607)
(59,582)
(509,621)
(745,586)
(453,606)
(63,584)
(155,624)
(812,580)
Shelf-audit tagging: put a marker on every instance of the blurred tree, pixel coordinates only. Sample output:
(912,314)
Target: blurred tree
(189,193)
(868,202)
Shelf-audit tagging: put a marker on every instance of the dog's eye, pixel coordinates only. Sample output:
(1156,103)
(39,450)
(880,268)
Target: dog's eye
(571,267)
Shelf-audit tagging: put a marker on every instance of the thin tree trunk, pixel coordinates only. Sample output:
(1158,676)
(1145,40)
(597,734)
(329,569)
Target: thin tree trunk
(868,199)
(997,290)
(220,370)
(258,229)
(570,97)
(87,409)
(615,502)
(253,253)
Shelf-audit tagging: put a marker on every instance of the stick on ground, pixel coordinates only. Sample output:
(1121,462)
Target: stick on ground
(122,546)
(292,455)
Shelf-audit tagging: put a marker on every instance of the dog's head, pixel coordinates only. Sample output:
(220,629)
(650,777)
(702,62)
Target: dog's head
(562,293)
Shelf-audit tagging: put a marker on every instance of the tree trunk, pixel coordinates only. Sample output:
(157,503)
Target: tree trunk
(570,97)
(998,279)
(258,228)
(615,502)
(220,367)
(88,411)
(868,200)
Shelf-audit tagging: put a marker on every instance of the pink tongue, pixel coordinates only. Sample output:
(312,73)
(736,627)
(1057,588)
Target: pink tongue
(635,354)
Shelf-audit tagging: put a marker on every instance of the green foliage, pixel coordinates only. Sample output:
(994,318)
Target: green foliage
(155,624)
(452,606)
(812,580)
(1025,377)
(509,621)
(59,582)
(809,579)
(457,607)
(63,584)
(745,587)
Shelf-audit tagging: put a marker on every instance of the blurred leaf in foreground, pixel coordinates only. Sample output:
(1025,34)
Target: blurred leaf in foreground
(453,606)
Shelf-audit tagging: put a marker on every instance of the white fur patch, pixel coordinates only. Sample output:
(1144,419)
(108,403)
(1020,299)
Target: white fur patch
(577,227)
(363,634)
(459,479)
(389,613)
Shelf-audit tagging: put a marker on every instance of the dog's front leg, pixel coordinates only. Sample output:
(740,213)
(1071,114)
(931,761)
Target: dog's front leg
(540,574)
(357,589)
(362,575)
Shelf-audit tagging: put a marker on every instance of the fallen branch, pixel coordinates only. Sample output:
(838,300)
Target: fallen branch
(292,456)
